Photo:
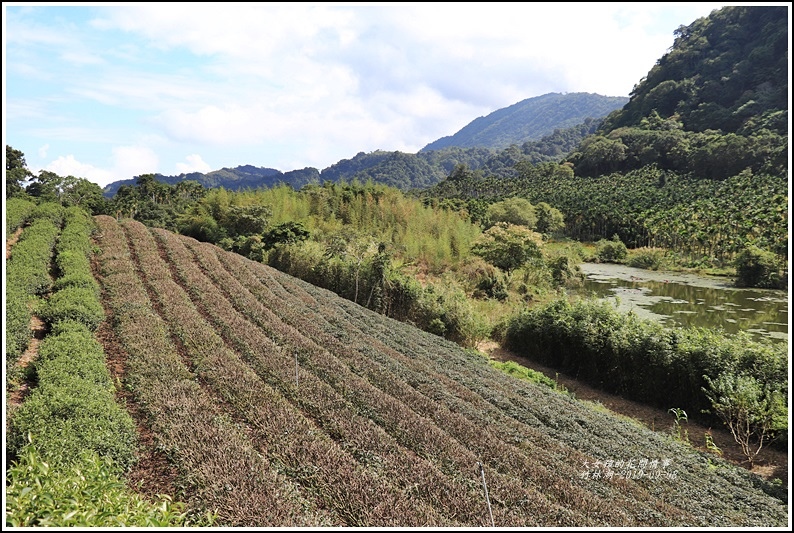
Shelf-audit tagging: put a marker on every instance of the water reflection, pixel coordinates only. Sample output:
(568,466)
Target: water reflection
(689,300)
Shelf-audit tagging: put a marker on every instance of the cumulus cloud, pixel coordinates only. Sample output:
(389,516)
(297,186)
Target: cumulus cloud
(303,84)
(69,166)
(194,164)
(126,162)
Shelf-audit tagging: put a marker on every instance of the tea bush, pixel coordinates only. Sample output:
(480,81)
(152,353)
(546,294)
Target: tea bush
(18,212)
(74,303)
(17,322)
(29,264)
(88,493)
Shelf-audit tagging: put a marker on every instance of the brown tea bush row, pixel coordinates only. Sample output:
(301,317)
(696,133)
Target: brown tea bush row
(308,455)
(419,438)
(444,419)
(614,443)
(331,410)
(367,398)
(604,437)
(528,465)
(217,462)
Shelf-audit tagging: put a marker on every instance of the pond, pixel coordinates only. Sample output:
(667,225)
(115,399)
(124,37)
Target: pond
(683,299)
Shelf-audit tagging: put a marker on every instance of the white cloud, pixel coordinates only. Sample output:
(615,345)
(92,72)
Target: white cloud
(131,161)
(303,84)
(194,164)
(69,166)
(43,151)
(127,162)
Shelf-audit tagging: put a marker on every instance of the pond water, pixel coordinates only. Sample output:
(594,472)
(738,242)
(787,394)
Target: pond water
(682,299)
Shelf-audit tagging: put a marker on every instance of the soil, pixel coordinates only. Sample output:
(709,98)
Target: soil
(12,240)
(16,396)
(769,464)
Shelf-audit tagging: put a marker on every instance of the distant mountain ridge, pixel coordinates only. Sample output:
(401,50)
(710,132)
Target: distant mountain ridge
(514,125)
(529,120)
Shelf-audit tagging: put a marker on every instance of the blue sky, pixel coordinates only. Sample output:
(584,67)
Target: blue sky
(110,91)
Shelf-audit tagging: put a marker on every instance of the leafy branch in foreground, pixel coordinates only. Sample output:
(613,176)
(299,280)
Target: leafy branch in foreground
(753,412)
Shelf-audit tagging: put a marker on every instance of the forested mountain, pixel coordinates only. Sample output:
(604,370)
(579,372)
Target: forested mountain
(529,120)
(240,177)
(695,162)
(562,122)
(727,72)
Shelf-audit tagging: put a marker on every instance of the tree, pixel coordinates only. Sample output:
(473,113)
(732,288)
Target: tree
(285,233)
(516,211)
(247,220)
(82,193)
(758,268)
(507,246)
(46,186)
(550,219)
(16,172)
(753,411)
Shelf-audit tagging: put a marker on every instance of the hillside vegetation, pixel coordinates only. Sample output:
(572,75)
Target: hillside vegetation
(257,384)
(529,120)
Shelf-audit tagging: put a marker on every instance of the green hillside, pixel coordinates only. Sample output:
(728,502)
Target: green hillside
(355,419)
(529,120)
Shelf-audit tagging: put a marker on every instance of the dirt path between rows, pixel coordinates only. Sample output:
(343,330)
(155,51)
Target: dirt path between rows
(15,397)
(12,240)
(770,463)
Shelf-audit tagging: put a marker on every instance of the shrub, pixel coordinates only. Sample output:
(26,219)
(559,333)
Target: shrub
(29,265)
(74,303)
(49,211)
(647,258)
(87,493)
(611,251)
(522,372)
(17,322)
(640,358)
(72,415)
(18,211)
(753,411)
(758,268)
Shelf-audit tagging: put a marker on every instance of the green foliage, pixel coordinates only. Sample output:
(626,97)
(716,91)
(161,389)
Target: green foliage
(52,211)
(722,72)
(508,247)
(611,251)
(74,303)
(70,416)
(647,258)
(516,211)
(18,212)
(71,351)
(527,374)
(29,265)
(285,233)
(87,493)
(640,359)
(17,325)
(17,172)
(758,268)
(679,432)
(550,219)
(565,270)
(754,411)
